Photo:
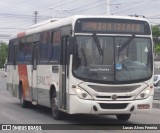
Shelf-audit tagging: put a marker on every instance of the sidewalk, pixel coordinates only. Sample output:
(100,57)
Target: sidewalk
(156,104)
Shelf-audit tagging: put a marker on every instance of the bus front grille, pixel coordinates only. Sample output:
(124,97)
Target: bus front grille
(118,97)
(113,105)
(114,89)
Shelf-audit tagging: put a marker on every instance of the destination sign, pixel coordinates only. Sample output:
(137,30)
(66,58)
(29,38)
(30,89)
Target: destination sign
(115,27)
(112,26)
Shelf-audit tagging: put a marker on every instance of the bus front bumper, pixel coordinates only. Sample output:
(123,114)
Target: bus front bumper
(81,106)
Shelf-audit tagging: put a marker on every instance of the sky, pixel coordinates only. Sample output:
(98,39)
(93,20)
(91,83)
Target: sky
(18,15)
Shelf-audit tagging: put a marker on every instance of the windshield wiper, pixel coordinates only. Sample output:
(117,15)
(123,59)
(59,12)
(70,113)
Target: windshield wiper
(98,44)
(126,43)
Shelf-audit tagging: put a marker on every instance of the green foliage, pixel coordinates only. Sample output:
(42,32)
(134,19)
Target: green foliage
(157,48)
(156,36)
(3,53)
(155,31)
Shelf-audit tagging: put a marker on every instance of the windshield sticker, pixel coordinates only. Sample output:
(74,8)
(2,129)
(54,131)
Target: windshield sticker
(118,66)
(101,68)
(146,50)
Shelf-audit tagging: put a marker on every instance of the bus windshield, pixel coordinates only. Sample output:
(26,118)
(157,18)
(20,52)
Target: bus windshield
(123,59)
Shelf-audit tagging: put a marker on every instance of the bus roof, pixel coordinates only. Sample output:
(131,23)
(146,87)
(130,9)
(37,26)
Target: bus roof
(55,23)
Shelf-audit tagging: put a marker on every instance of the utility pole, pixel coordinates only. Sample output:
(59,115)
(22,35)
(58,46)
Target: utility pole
(108,10)
(58,5)
(35,16)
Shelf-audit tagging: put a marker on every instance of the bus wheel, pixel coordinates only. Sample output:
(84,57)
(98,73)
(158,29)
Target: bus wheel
(123,117)
(24,103)
(56,113)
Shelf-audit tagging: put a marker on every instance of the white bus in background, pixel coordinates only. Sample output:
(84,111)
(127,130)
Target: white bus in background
(84,65)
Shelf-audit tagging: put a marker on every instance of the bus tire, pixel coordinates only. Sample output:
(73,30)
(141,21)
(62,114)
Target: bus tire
(23,102)
(56,113)
(123,117)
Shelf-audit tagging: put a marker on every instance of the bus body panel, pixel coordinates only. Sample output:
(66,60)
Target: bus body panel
(44,79)
(78,105)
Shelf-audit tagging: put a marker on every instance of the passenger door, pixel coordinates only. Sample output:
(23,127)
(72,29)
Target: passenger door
(64,72)
(34,72)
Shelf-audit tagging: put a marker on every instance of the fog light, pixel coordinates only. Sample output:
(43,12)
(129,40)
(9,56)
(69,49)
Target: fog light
(143,106)
(132,108)
(95,108)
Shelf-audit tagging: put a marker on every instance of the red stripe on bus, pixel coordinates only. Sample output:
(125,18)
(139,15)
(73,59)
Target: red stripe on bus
(23,76)
(21,34)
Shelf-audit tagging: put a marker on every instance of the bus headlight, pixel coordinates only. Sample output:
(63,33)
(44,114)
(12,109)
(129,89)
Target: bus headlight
(81,93)
(144,94)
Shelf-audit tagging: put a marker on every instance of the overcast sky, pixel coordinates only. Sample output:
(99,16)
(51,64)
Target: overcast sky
(18,15)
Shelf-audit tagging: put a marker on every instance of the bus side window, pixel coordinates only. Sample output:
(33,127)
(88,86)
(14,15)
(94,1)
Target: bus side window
(15,51)
(44,46)
(21,51)
(10,52)
(54,52)
(21,54)
(28,50)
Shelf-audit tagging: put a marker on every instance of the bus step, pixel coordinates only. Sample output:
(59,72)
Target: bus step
(34,102)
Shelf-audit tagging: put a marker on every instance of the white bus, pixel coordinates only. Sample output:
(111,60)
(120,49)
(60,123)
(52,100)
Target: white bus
(84,65)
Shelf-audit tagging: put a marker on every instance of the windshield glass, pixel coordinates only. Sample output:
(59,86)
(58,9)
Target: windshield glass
(123,58)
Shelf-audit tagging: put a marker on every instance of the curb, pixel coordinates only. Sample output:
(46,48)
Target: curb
(156,104)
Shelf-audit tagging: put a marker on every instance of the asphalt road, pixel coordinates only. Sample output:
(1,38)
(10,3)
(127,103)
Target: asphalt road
(12,113)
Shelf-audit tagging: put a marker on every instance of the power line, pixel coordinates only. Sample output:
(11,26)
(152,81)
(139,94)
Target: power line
(136,7)
(128,4)
(155,23)
(153,18)
(28,18)
(89,4)
(75,10)
(12,28)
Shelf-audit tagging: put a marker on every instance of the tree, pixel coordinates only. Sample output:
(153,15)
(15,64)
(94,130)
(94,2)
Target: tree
(156,38)
(156,33)
(3,53)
